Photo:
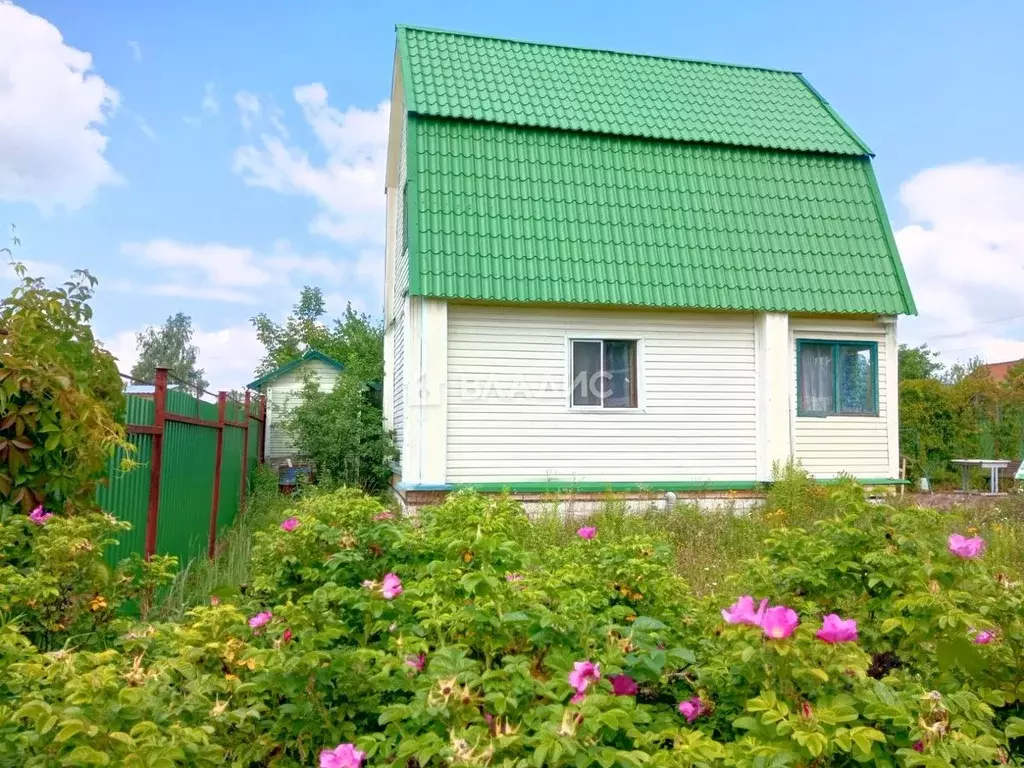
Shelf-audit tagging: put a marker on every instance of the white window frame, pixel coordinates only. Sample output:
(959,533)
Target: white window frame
(641,404)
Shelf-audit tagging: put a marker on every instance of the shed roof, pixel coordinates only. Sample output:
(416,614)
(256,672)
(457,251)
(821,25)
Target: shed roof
(541,173)
(281,370)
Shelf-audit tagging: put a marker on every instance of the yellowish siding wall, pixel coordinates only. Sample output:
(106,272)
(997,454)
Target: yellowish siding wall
(508,415)
(858,445)
(283,395)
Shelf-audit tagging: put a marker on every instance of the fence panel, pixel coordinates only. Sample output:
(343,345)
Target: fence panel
(169,497)
(127,493)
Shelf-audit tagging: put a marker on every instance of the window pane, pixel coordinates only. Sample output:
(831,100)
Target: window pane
(586,373)
(856,380)
(620,374)
(816,378)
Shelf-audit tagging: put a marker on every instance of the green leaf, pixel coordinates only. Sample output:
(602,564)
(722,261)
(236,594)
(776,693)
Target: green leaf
(85,756)
(647,624)
(1014,728)
(515,616)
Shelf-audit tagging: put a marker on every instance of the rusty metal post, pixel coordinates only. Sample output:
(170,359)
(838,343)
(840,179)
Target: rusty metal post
(222,402)
(245,451)
(156,459)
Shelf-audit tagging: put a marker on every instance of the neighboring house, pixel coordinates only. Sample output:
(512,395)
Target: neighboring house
(999,371)
(618,272)
(283,386)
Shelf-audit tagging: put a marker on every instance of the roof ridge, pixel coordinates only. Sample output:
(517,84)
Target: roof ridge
(634,55)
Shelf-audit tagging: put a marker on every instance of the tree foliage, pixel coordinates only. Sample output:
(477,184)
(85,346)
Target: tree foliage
(170,346)
(342,432)
(918,363)
(963,414)
(60,394)
(355,339)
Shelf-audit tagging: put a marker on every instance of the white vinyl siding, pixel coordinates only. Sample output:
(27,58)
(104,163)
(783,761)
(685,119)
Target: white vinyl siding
(857,445)
(400,300)
(508,400)
(283,395)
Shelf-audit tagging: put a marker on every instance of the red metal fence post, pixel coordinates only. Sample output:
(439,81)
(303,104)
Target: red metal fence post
(222,401)
(245,451)
(156,459)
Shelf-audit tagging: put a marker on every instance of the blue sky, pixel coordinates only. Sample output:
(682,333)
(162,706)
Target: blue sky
(214,157)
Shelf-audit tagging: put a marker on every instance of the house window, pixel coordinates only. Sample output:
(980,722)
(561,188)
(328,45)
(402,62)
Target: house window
(603,373)
(837,378)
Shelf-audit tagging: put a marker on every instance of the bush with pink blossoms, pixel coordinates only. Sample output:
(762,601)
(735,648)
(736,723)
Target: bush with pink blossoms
(852,643)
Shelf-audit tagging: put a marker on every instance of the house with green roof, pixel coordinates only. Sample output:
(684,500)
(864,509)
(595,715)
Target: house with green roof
(282,388)
(609,271)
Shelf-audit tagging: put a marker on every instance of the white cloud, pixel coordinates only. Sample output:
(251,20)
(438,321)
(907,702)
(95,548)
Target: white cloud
(217,272)
(142,123)
(210,105)
(221,265)
(228,355)
(47,270)
(964,256)
(248,108)
(349,186)
(52,107)
(136,50)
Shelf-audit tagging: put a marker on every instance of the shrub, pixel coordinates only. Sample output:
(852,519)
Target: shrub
(460,638)
(60,395)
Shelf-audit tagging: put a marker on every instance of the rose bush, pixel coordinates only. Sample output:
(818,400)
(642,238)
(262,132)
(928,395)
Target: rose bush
(462,638)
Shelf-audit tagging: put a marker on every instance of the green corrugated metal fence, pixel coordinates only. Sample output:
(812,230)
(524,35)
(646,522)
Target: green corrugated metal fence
(171,509)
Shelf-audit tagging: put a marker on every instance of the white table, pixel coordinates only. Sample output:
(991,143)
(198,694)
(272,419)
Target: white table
(992,465)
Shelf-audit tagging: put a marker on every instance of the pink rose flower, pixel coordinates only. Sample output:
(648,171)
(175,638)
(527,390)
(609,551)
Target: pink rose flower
(342,756)
(836,630)
(214,600)
(919,746)
(968,549)
(416,662)
(286,636)
(691,709)
(513,577)
(391,587)
(39,516)
(984,637)
(385,515)
(587,532)
(623,685)
(779,622)
(583,674)
(260,619)
(290,524)
(743,611)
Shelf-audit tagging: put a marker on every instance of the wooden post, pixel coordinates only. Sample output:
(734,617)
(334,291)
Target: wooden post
(156,459)
(222,401)
(245,451)
(262,437)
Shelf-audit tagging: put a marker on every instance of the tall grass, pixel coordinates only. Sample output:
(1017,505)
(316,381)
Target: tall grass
(712,544)
(224,575)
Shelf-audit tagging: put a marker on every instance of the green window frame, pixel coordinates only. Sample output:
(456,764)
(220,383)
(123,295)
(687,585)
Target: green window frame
(837,351)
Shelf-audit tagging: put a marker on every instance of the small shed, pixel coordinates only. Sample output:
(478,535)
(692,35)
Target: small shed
(283,386)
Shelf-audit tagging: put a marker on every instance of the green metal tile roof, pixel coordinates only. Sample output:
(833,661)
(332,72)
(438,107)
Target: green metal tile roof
(281,370)
(504,213)
(454,75)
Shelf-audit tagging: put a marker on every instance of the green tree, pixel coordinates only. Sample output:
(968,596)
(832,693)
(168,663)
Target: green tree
(918,363)
(60,394)
(342,431)
(355,339)
(170,346)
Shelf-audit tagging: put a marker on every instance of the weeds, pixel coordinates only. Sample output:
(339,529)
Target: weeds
(224,575)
